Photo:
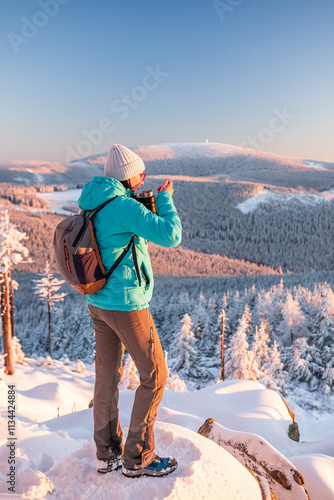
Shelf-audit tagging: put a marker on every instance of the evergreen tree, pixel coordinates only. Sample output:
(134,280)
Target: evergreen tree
(248,315)
(260,345)
(130,378)
(269,307)
(234,312)
(304,363)
(202,326)
(293,324)
(328,373)
(273,375)
(174,383)
(186,361)
(299,368)
(18,354)
(324,324)
(241,363)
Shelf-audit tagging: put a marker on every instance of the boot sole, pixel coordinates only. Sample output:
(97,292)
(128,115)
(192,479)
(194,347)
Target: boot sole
(110,468)
(142,472)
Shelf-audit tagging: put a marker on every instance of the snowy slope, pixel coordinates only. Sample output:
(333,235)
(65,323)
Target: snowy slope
(284,201)
(58,452)
(204,159)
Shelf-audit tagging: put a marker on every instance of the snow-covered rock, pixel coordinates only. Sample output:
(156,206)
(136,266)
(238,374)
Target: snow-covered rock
(284,480)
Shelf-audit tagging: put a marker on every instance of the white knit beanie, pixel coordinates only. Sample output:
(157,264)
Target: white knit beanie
(122,163)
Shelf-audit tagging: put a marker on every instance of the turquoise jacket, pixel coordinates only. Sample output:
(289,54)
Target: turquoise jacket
(114,226)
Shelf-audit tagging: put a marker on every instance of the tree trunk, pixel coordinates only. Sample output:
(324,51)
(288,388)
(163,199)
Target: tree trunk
(222,371)
(6,325)
(49,321)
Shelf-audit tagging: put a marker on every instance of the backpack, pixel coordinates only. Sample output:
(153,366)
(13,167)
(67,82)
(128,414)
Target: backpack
(77,253)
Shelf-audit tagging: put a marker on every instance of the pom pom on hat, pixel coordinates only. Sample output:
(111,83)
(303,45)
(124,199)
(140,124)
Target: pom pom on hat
(122,163)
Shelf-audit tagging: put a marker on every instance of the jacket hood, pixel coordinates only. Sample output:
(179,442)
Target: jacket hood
(99,190)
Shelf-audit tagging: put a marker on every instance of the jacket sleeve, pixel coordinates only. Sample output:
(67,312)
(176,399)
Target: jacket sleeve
(163,229)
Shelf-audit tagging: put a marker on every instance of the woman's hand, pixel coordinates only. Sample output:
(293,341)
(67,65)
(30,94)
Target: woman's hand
(166,186)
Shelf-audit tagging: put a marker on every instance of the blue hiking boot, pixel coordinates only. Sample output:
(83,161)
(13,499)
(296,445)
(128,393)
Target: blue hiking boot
(159,467)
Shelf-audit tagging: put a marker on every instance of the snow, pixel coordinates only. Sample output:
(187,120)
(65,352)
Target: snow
(188,178)
(318,471)
(71,468)
(187,150)
(39,177)
(268,197)
(57,200)
(315,164)
(18,164)
(202,150)
(59,452)
(191,150)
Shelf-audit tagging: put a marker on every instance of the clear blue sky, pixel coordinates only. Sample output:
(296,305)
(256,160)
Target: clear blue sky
(226,77)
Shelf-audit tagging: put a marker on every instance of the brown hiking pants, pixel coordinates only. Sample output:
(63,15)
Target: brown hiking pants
(136,331)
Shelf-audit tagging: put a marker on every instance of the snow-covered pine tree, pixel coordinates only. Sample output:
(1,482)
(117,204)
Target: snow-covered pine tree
(176,384)
(299,368)
(328,373)
(18,354)
(323,333)
(260,345)
(214,328)
(47,287)
(248,315)
(184,301)
(234,312)
(241,363)
(304,363)
(293,325)
(130,379)
(201,319)
(186,361)
(12,251)
(273,375)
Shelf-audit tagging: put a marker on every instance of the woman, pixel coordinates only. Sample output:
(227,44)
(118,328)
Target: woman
(120,312)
